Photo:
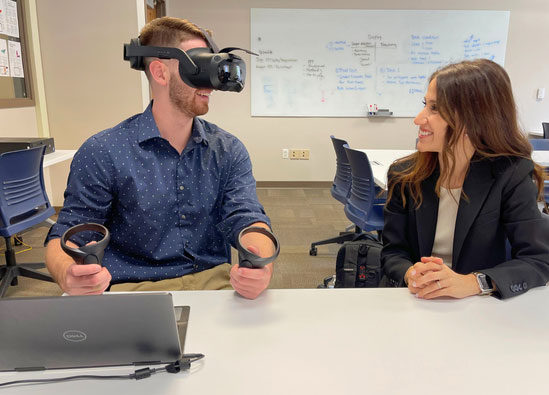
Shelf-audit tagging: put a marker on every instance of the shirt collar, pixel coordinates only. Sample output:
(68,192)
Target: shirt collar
(197,133)
(148,129)
(147,126)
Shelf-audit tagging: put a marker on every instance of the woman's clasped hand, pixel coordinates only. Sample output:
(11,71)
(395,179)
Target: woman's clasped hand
(431,278)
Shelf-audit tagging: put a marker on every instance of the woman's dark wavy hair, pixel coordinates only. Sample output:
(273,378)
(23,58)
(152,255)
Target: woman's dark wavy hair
(473,97)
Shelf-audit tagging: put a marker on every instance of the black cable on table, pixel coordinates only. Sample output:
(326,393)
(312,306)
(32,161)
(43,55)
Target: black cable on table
(139,374)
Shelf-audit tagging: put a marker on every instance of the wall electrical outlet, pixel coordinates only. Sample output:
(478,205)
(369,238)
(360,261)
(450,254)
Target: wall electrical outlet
(302,154)
(285,153)
(294,154)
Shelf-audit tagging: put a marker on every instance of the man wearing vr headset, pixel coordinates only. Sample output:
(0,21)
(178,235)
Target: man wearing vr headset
(173,189)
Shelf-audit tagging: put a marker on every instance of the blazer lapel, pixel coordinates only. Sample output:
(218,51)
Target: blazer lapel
(476,186)
(426,215)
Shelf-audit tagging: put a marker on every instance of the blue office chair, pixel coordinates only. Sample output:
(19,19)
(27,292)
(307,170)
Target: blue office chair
(362,207)
(342,180)
(23,204)
(341,187)
(540,144)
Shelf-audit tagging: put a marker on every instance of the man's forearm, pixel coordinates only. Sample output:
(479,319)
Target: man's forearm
(57,261)
(265,245)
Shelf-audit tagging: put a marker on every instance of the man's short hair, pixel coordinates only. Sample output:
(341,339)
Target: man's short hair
(168,32)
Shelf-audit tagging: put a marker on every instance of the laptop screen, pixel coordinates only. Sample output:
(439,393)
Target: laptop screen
(91,331)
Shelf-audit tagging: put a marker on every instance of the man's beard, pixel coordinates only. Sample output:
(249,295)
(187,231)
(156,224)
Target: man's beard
(183,98)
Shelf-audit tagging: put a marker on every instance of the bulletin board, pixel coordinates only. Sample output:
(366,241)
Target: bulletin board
(15,86)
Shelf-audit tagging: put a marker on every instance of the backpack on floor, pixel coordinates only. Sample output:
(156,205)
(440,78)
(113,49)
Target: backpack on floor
(358,264)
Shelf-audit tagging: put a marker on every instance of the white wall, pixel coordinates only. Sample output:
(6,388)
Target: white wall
(18,122)
(88,85)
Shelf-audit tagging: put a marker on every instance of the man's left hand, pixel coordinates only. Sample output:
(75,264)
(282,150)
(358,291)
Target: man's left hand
(251,282)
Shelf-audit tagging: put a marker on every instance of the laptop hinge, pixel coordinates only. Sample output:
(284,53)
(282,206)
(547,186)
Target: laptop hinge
(30,369)
(147,363)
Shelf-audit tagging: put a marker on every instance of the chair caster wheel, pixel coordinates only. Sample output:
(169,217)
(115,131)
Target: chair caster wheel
(312,251)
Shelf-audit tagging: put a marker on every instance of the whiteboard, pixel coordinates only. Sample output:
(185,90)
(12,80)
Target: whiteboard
(334,63)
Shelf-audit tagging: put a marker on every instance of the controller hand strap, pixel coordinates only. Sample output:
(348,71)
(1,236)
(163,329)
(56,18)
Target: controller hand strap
(91,253)
(246,258)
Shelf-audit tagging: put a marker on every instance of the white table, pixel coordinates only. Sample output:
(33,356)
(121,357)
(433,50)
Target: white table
(542,157)
(345,341)
(57,157)
(381,159)
(53,158)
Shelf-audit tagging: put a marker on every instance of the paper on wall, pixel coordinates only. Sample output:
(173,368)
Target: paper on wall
(4,60)
(16,61)
(12,23)
(3,26)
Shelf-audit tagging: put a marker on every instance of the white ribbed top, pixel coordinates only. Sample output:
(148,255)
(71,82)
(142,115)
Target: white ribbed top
(446,224)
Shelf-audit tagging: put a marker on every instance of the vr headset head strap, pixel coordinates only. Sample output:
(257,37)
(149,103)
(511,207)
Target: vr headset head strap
(136,53)
(210,40)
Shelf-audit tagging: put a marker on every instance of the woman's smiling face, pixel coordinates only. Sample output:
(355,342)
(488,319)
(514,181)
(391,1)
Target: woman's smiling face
(432,127)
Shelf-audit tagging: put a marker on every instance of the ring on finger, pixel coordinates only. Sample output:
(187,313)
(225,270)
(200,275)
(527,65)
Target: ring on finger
(439,286)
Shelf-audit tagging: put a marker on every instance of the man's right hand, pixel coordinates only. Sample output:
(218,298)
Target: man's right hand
(85,279)
(72,278)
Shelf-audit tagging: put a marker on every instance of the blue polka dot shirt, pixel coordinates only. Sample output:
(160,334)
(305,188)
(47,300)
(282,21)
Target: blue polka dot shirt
(168,214)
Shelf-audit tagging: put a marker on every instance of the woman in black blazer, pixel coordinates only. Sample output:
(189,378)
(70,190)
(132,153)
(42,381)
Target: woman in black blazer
(470,188)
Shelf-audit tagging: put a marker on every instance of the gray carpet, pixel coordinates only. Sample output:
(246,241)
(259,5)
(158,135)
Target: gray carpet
(299,216)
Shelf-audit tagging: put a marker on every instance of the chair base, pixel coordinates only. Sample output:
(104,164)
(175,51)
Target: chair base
(9,275)
(342,238)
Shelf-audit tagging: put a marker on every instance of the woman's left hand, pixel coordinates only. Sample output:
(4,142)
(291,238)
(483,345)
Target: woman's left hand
(445,282)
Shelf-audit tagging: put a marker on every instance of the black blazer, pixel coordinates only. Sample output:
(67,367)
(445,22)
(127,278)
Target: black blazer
(502,205)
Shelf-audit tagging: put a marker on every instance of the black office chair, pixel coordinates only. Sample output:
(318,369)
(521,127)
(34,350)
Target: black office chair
(363,208)
(545,126)
(23,204)
(341,187)
(540,144)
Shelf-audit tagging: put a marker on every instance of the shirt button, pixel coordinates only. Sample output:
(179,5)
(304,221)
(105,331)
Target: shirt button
(195,266)
(183,216)
(181,188)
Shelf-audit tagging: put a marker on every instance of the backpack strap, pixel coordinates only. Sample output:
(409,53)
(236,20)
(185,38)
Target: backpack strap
(350,265)
(373,274)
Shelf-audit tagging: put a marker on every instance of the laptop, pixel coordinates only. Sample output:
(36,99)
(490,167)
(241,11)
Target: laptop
(91,331)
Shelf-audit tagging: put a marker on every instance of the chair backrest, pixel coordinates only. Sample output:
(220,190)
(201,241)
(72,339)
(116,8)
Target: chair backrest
(540,144)
(363,192)
(545,126)
(341,186)
(23,199)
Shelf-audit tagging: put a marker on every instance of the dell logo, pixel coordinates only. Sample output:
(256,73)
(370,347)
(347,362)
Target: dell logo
(74,336)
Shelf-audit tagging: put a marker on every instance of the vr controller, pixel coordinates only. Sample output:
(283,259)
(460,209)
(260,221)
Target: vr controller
(198,67)
(248,259)
(88,254)
(93,253)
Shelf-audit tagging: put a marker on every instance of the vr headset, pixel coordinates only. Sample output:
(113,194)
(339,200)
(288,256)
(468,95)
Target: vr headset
(198,67)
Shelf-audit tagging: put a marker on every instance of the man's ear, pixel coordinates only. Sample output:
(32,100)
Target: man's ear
(159,72)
